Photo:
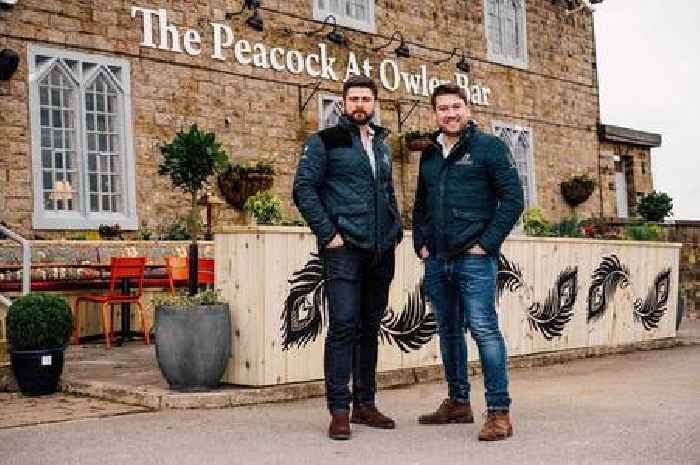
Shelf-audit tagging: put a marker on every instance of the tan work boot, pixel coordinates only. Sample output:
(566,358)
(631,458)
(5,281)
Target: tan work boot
(368,414)
(497,426)
(340,425)
(448,412)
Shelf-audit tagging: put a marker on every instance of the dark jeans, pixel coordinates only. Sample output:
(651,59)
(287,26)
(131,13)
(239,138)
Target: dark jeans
(463,295)
(357,283)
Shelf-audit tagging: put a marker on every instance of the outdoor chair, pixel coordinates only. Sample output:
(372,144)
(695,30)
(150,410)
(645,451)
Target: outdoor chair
(179,271)
(123,269)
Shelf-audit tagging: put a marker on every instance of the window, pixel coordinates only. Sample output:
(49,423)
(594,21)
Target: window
(81,140)
(331,108)
(355,14)
(506,38)
(519,141)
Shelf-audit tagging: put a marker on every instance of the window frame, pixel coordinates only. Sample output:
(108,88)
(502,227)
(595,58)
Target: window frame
(530,158)
(502,58)
(83,218)
(338,98)
(370,25)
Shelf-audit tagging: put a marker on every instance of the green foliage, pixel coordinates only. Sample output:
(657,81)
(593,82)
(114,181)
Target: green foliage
(176,231)
(208,297)
(192,158)
(108,232)
(643,232)
(535,224)
(416,134)
(265,207)
(569,227)
(655,206)
(39,321)
(144,233)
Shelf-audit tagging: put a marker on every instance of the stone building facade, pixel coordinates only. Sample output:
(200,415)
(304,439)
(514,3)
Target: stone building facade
(102,83)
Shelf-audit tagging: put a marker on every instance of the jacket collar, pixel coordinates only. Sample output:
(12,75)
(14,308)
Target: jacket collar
(470,130)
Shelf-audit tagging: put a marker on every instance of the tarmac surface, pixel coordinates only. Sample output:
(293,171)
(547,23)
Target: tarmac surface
(642,407)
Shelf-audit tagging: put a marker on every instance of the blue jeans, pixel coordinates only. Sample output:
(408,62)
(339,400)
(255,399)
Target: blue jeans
(462,290)
(357,283)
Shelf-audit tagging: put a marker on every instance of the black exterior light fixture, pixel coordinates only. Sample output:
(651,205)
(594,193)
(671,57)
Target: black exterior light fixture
(7,4)
(462,64)
(254,21)
(335,35)
(401,51)
(9,60)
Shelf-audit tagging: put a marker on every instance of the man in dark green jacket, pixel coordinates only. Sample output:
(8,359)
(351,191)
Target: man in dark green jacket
(344,190)
(468,199)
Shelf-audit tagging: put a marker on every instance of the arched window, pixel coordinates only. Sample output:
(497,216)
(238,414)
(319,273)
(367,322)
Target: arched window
(519,141)
(81,125)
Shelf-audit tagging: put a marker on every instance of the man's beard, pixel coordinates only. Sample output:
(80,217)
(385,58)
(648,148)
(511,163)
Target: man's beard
(362,120)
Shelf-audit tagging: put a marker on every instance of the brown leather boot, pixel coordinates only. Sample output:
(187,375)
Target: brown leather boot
(497,426)
(340,425)
(448,412)
(367,414)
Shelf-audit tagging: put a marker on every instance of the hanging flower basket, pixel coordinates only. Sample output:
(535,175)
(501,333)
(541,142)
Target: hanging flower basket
(577,189)
(417,141)
(418,144)
(237,183)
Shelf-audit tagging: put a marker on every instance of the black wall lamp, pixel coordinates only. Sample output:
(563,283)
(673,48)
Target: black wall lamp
(401,51)
(254,21)
(335,35)
(7,4)
(9,60)
(462,64)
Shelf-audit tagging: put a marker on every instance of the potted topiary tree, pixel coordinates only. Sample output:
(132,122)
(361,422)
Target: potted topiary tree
(193,340)
(193,332)
(38,329)
(191,159)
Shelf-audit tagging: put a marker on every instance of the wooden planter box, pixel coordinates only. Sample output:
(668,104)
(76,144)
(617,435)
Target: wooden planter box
(255,266)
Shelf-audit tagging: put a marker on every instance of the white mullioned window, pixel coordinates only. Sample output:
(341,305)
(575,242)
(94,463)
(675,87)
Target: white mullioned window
(330,108)
(81,140)
(519,141)
(355,14)
(506,37)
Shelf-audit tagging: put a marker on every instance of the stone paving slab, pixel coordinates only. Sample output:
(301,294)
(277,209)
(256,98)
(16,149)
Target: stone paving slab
(18,410)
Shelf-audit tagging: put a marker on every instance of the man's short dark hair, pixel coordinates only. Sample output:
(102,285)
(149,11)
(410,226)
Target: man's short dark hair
(449,88)
(359,81)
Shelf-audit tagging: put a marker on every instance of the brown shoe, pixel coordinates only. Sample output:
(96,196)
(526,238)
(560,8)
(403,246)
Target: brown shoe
(368,414)
(497,426)
(340,425)
(448,412)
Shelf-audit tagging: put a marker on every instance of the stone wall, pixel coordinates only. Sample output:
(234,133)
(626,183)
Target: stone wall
(256,113)
(639,171)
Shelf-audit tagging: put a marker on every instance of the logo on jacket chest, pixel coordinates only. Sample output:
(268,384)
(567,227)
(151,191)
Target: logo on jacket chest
(466,159)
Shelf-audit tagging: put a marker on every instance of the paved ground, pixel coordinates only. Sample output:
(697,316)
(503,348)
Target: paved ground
(636,408)
(17,410)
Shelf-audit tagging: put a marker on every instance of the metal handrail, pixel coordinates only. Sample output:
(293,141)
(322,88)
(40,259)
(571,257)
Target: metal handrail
(26,262)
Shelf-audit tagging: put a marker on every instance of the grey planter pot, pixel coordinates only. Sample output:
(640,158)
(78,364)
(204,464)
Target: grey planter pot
(193,345)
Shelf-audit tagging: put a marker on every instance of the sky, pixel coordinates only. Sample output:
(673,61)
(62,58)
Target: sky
(649,73)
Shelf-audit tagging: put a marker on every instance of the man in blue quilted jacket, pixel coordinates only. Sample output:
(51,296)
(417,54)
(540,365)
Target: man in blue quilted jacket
(344,190)
(468,199)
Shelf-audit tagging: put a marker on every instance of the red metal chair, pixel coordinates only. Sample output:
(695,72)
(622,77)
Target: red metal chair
(120,268)
(179,271)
